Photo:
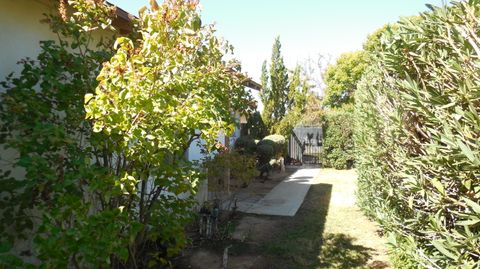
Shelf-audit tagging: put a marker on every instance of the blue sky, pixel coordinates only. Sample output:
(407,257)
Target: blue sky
(306,28)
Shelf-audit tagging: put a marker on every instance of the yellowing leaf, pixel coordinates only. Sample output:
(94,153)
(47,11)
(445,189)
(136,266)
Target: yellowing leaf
(438,185)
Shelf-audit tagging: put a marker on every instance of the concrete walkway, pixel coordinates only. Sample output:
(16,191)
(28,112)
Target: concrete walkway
(287,197)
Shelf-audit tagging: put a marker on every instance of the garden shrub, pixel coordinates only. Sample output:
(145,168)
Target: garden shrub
(242,168)
(277,142)
(246,144)
(338,148)
(265,153)
(269,148)
(42,119)
(418,138)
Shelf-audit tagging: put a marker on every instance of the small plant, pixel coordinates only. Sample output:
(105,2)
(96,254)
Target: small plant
(246,145)
(239,167)
(268,149)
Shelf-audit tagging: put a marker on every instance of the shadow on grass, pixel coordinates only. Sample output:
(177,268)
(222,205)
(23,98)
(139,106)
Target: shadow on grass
(299,242)
(338,251)
(302,244)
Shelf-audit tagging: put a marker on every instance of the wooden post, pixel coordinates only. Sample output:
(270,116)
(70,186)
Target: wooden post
(227,171)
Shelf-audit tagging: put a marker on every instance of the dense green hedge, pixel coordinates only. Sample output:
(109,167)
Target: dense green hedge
(338,142)
(418,138)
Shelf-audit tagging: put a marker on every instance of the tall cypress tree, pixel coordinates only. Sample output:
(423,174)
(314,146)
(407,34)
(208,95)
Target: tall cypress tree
(264,94)
(275,94)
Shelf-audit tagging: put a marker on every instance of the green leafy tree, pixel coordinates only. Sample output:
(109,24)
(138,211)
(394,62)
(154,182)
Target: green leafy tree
(276,93)
(341,83)
(342,77)
(373,42)
(275,87)
(255,127)
(113,190)
(297,100)
(313,113)
(157,95)
(264,80)
(338,147)
(283,96)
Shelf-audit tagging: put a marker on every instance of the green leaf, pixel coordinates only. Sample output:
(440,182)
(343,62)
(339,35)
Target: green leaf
(5,247)
(441,247)
(410,202)
(438,185)
(467,222)
(473,205)
(467,152)
(88,97)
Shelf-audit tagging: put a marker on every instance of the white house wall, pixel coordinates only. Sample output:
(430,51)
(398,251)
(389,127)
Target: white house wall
(195,154)
(20,32)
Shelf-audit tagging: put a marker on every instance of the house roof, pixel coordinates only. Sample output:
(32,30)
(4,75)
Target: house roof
(123,19)
(250,83)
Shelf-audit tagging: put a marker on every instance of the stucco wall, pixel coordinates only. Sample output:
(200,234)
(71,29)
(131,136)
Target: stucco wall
(21,31)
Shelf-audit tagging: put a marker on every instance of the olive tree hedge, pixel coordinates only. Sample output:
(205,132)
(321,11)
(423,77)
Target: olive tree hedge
(418,138)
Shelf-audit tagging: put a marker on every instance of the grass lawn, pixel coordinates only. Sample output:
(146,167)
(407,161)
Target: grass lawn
(329,231)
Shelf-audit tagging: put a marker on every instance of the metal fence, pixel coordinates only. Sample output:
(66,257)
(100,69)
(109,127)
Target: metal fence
(305,145)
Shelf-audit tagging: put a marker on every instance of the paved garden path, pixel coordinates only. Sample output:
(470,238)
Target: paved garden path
(287,197)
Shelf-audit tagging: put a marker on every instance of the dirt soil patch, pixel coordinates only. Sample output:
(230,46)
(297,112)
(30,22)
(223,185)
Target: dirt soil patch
(328,231)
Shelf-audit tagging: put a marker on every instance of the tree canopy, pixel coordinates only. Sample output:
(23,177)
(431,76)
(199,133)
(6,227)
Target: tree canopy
(341,78)
(284,93)
(275,92)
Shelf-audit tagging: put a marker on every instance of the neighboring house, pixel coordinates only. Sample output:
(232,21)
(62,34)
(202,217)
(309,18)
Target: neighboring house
(22,30)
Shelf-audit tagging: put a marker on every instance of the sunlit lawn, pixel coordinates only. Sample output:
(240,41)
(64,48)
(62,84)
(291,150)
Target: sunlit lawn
(329,231)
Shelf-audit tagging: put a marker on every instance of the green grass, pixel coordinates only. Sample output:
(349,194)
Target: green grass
(301,239)
(328,231)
